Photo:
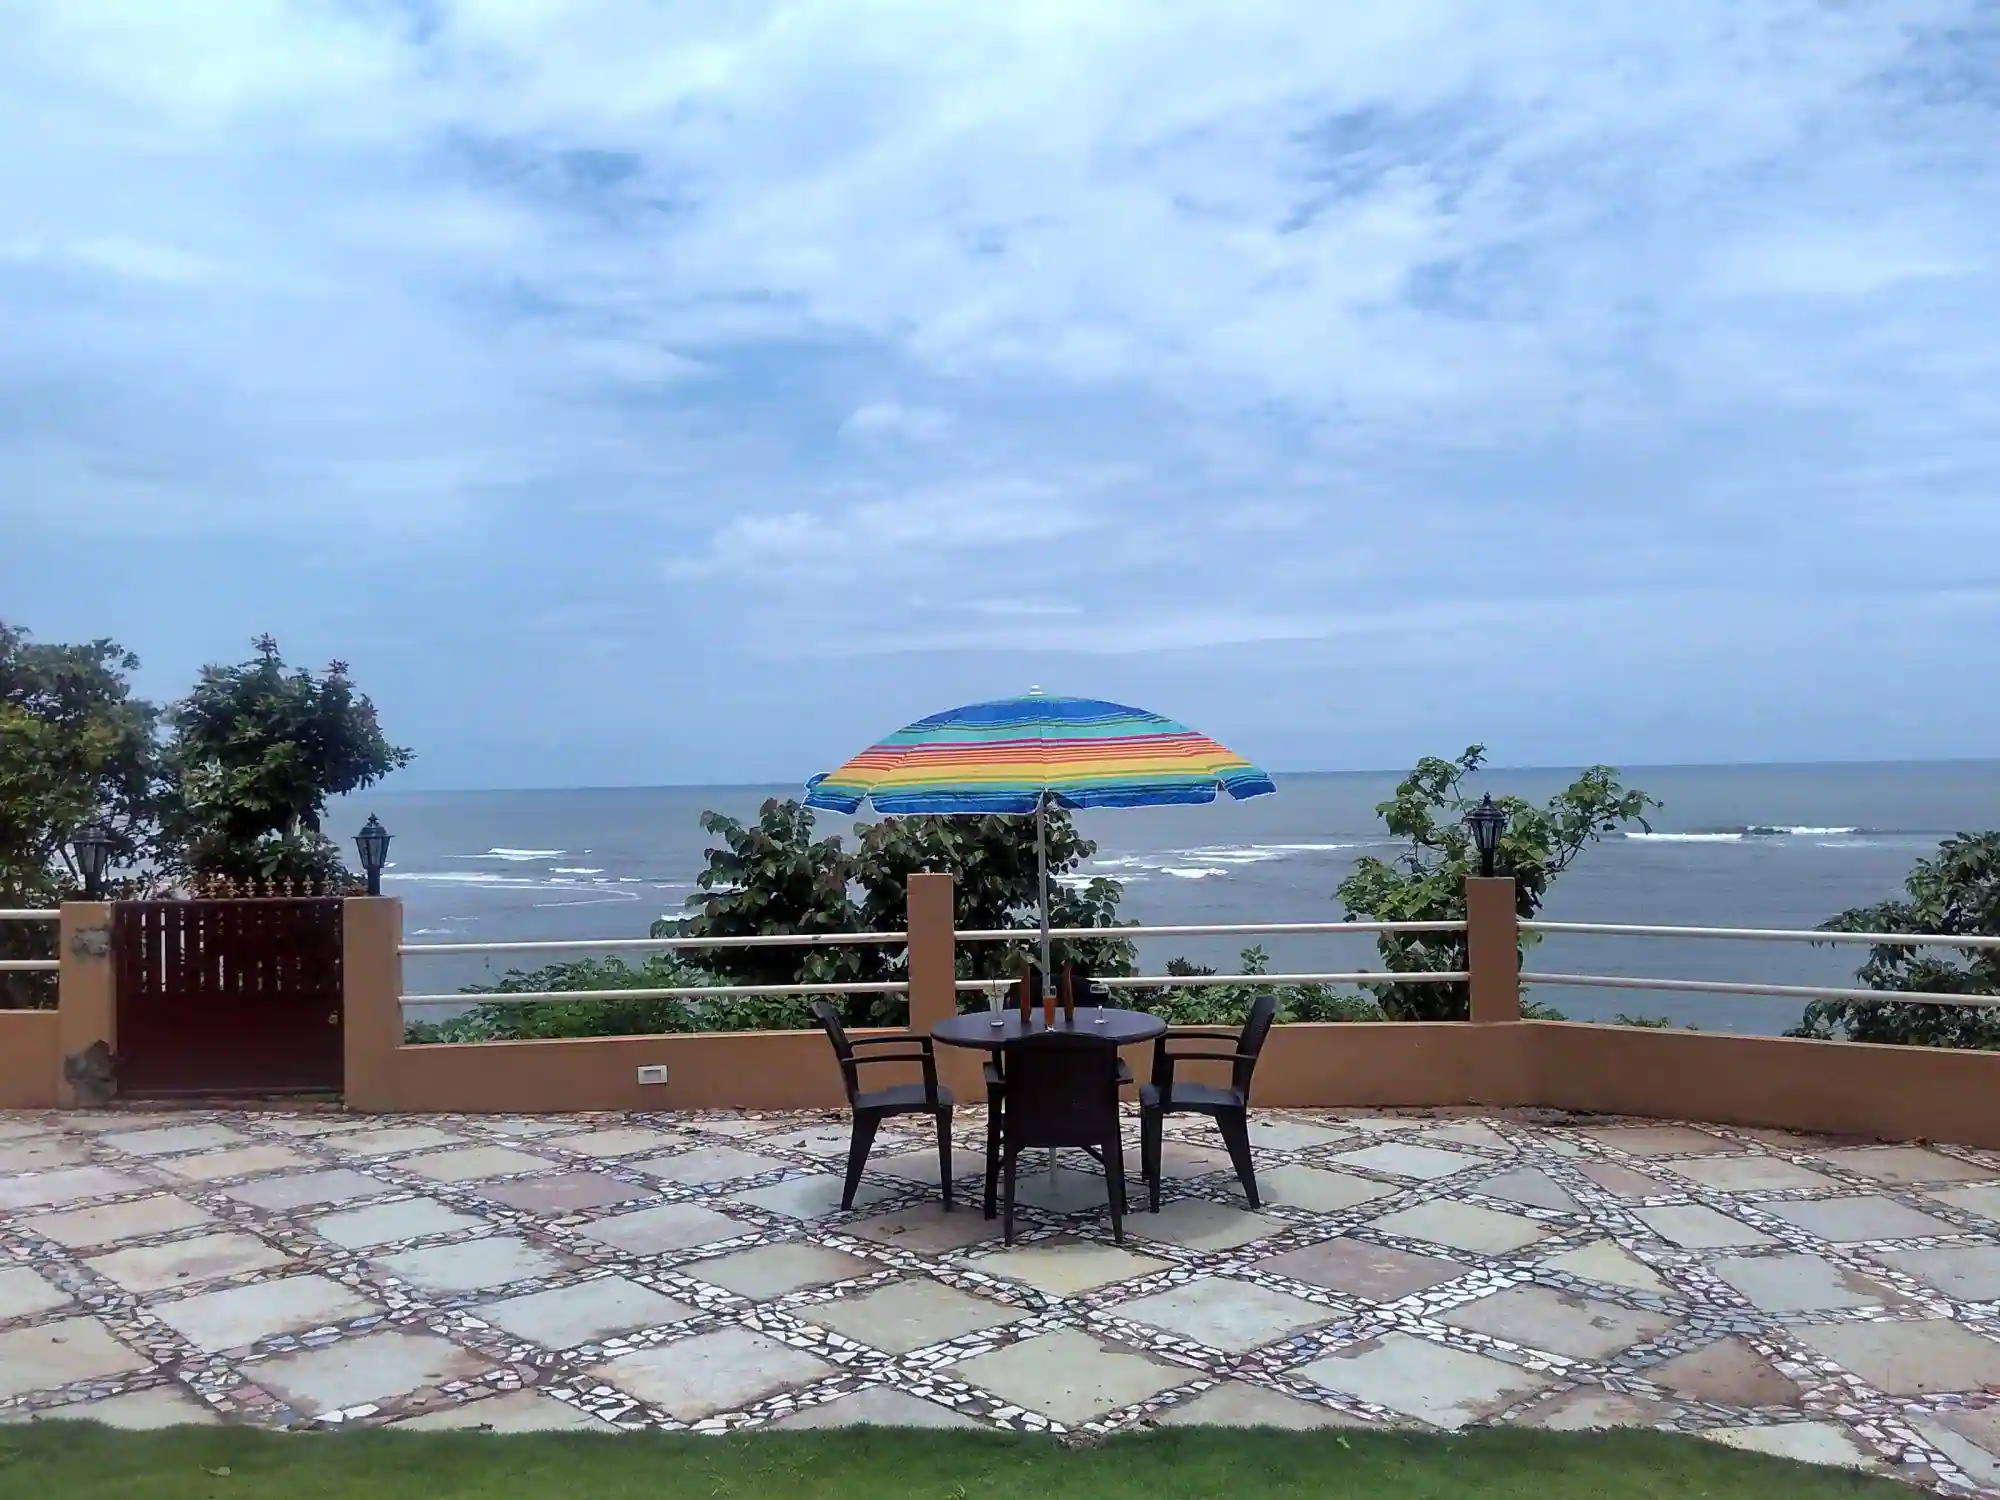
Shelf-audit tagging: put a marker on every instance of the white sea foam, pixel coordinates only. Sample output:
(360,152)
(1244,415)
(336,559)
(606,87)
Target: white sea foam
(1308,848)
(1191,872)
(573,870)
(1801,830)
(514,856)
(1687,838)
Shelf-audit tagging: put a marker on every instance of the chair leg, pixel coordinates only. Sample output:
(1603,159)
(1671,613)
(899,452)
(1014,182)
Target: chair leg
(858,1147)
(1235,1128)
(1114,1179)
(992,1151)
(1149,1153)
(944,1155)
(1007,1195)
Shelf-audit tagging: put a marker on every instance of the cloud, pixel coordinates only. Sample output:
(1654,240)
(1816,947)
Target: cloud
(1142,331)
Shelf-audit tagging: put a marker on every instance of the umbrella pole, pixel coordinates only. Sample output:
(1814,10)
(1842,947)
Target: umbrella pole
(1042,876)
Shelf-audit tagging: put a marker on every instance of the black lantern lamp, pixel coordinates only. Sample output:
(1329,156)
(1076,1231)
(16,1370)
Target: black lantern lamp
(373,842)
(1487,822)
(91,845)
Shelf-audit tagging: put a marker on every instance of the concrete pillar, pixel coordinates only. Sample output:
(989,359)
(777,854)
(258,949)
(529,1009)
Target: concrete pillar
(87,1001)
(1493,948)
(371,930)
(934,977)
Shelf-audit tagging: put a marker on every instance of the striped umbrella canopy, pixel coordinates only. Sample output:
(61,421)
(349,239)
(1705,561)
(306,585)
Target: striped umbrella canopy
(1022,755)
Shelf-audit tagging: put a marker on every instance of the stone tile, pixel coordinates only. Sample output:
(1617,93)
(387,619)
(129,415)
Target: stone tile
(1535,1317)
(1199,1224)
(1846,1220)
(921,1166)
(773,1270)
(1909,1359)
(1608,1262)
(926,1228)
(1727,1372)
(39,1155)
(1180,1162)
(1659,1140)
(115,1120)
(306,1126)
(561,1193)
(66,1185)
(517,1411)
(1806,1442)
(1801,1283)
(136,1411)
(1275,1133)
(1527,1186)
(473,1265)
(1068,1375)
(1592,1409)
(738,1126)
(1463,1226)
(1964,1273)
(308,1190)
(585,1313)
(1905,1165)
(523,1128)
(1468,1133)
(242,1161)
(813,1197)
(1319,1191)
(476,1162)
(710,1164)
(171,1138)
(23,1293)
(671,1226)
(1237,1403)
(1408,1159)
(1063,1268)
(1970,1439)
(906,1315)
(1233,1316)
(1746,1174)
(1983,1200)
(385,1223)
(53,1354)
(1361,1269)
(20,1127)
(607,1145)
(828,1140)
(1694,1226)
(241,1315)
(713,1372)
(1622,1182)
(354,1372)
(1074,1189)
(1444,1387)
(877,1406)
(87,1228)
(152,1268)
(393,1141)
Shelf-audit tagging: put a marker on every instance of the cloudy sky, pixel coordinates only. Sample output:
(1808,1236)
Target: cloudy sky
(694,392)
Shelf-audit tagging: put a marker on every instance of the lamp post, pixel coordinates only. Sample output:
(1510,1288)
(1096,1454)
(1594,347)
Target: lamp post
(1487,822)
(373,843)
(91,844)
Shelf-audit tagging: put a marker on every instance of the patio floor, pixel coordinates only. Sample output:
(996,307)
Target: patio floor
(1823,1300)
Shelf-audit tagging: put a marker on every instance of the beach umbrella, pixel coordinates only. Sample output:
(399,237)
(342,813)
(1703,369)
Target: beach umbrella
(1025,755)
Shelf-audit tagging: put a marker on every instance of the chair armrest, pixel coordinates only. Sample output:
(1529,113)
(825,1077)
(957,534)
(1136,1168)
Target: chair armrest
(900,1039)
(883,1057)
(1164,1061)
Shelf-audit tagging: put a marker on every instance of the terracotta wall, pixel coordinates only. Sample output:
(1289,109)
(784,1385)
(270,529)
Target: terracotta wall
(30,1058)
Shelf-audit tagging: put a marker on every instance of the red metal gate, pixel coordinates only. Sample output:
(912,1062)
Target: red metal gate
(236,996)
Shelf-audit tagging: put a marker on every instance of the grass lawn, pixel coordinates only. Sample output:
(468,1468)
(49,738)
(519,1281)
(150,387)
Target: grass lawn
(83,1461)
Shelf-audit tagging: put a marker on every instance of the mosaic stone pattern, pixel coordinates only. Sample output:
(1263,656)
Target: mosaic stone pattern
(1828,1300)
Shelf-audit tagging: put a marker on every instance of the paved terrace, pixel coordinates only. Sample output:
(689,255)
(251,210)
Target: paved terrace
(1831,1301)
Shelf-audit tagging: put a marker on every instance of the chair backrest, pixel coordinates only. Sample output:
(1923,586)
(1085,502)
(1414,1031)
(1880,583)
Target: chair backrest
(1263,1010)
(843,1052)
(1062,1090)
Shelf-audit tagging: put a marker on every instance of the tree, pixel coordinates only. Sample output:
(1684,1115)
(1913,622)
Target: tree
(1426,881)
(1955,893)
(257,749)
(75,746)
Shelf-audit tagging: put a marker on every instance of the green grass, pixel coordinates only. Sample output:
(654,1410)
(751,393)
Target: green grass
(83,1461)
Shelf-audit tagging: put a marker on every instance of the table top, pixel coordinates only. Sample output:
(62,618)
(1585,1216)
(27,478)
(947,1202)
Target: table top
(976,1028)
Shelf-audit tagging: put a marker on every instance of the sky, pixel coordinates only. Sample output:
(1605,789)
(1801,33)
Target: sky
(650,393)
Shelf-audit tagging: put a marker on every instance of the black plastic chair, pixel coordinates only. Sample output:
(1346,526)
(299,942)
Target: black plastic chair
(1228,1106)
(872,1106)
(1062,1090)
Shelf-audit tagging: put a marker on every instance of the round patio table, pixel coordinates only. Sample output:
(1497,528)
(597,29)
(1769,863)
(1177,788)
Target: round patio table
(976,1029)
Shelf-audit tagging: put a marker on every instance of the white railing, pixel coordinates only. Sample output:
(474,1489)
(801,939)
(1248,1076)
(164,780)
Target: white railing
(1765,934)
(30,965)
(661,945)
(28,914)
(1215,929)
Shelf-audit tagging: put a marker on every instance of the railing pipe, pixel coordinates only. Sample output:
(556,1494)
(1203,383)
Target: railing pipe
(1767,934)
(1789,991)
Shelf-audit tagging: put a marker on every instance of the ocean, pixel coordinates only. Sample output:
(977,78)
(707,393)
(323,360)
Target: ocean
(1736,846)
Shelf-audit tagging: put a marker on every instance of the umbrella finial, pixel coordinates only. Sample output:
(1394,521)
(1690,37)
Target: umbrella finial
(1035,691)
